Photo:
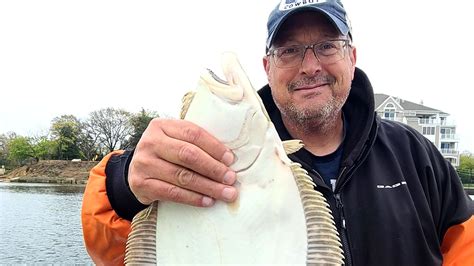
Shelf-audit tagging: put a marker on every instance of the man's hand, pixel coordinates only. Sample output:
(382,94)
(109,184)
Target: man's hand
(176,160)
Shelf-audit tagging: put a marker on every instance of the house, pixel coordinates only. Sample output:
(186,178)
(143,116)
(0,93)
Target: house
(432,123)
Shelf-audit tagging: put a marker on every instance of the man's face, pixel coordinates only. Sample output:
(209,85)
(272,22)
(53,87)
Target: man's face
(310,92)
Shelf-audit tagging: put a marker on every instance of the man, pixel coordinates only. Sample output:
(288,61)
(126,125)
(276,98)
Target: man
(394,198)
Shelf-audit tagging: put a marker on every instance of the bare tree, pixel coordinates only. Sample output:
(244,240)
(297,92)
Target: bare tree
(88,142)
(112,127)
(4,151)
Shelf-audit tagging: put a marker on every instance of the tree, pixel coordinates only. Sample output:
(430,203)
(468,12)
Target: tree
(466,162)
(4,149)
(139,123)
(20,150)
(45,148)
(65,130)
(466,168)
(88,142)
(112,127)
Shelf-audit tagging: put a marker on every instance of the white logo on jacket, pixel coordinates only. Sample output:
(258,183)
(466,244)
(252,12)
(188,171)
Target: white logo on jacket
(392,186)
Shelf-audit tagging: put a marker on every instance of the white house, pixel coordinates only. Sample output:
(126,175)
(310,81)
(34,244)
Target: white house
(433,124)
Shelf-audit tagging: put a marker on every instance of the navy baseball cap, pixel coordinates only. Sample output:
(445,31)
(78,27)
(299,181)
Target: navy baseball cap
(333,9)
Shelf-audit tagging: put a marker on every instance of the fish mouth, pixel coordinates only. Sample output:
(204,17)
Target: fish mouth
(217,78)
(230,88)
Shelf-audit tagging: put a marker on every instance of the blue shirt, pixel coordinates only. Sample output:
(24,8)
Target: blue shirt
(328,165)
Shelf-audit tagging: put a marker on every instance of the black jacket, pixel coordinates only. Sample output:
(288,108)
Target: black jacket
(395,197)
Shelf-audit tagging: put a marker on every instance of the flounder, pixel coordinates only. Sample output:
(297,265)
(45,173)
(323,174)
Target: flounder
(279,218)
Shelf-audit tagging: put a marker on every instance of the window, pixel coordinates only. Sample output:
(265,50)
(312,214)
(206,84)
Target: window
(447,133)
(389,112)
(428,130)
(442,120)
(428,120)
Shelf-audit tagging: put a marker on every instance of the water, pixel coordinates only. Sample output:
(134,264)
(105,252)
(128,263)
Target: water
(41,224)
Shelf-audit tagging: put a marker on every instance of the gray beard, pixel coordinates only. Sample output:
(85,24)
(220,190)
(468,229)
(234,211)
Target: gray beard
(311,120)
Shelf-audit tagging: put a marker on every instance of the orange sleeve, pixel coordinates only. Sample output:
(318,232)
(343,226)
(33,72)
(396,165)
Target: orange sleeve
(458,244)
(105,233)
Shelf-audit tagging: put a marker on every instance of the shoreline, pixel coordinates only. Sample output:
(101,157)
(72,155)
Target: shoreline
(44,180)
(51,172)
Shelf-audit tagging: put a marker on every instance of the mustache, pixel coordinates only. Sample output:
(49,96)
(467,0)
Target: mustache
(311,81)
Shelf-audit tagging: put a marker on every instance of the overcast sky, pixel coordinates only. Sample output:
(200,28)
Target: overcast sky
(73,57)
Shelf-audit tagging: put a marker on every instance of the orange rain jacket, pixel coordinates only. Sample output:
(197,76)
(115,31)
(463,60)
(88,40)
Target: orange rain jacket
(422,221)
(105,233)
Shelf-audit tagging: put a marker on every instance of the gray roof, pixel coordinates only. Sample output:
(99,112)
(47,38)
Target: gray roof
(406,105)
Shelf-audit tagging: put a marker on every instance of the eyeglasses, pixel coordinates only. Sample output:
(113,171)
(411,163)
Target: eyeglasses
(327,52)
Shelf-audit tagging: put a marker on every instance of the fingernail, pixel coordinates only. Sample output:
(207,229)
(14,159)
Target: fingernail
(228,158)
(228,193)
(229,178)
(206,202)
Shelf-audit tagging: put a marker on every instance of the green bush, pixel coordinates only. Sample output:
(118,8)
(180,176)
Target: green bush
(466,175)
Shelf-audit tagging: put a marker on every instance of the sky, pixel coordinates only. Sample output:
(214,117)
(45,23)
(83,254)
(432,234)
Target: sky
(62,57)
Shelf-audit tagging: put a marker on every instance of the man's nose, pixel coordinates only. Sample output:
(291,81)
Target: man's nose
(310,63)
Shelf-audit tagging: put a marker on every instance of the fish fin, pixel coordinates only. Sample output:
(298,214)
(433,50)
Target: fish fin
(292,146)
(319,221)
(141,242)
(186,101)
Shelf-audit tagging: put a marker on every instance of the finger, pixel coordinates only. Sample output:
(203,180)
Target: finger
(162,191)
(175,146)
(191,157)
(192,133)
(184,153)
(190,180)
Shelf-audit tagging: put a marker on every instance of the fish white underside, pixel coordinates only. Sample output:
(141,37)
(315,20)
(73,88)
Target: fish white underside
(265,225)
(278,218)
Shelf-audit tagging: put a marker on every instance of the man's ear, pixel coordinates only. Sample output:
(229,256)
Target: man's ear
(266,64)
(353,58)
(353,55)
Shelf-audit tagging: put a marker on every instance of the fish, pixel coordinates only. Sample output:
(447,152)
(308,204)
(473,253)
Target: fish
(278,217)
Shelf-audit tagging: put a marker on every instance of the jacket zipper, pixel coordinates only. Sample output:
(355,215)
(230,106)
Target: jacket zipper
(340,208)
(344,238)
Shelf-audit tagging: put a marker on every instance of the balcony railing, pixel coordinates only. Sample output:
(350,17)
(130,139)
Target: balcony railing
(449,151)
(435,122)
(427,121)
(449,137)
